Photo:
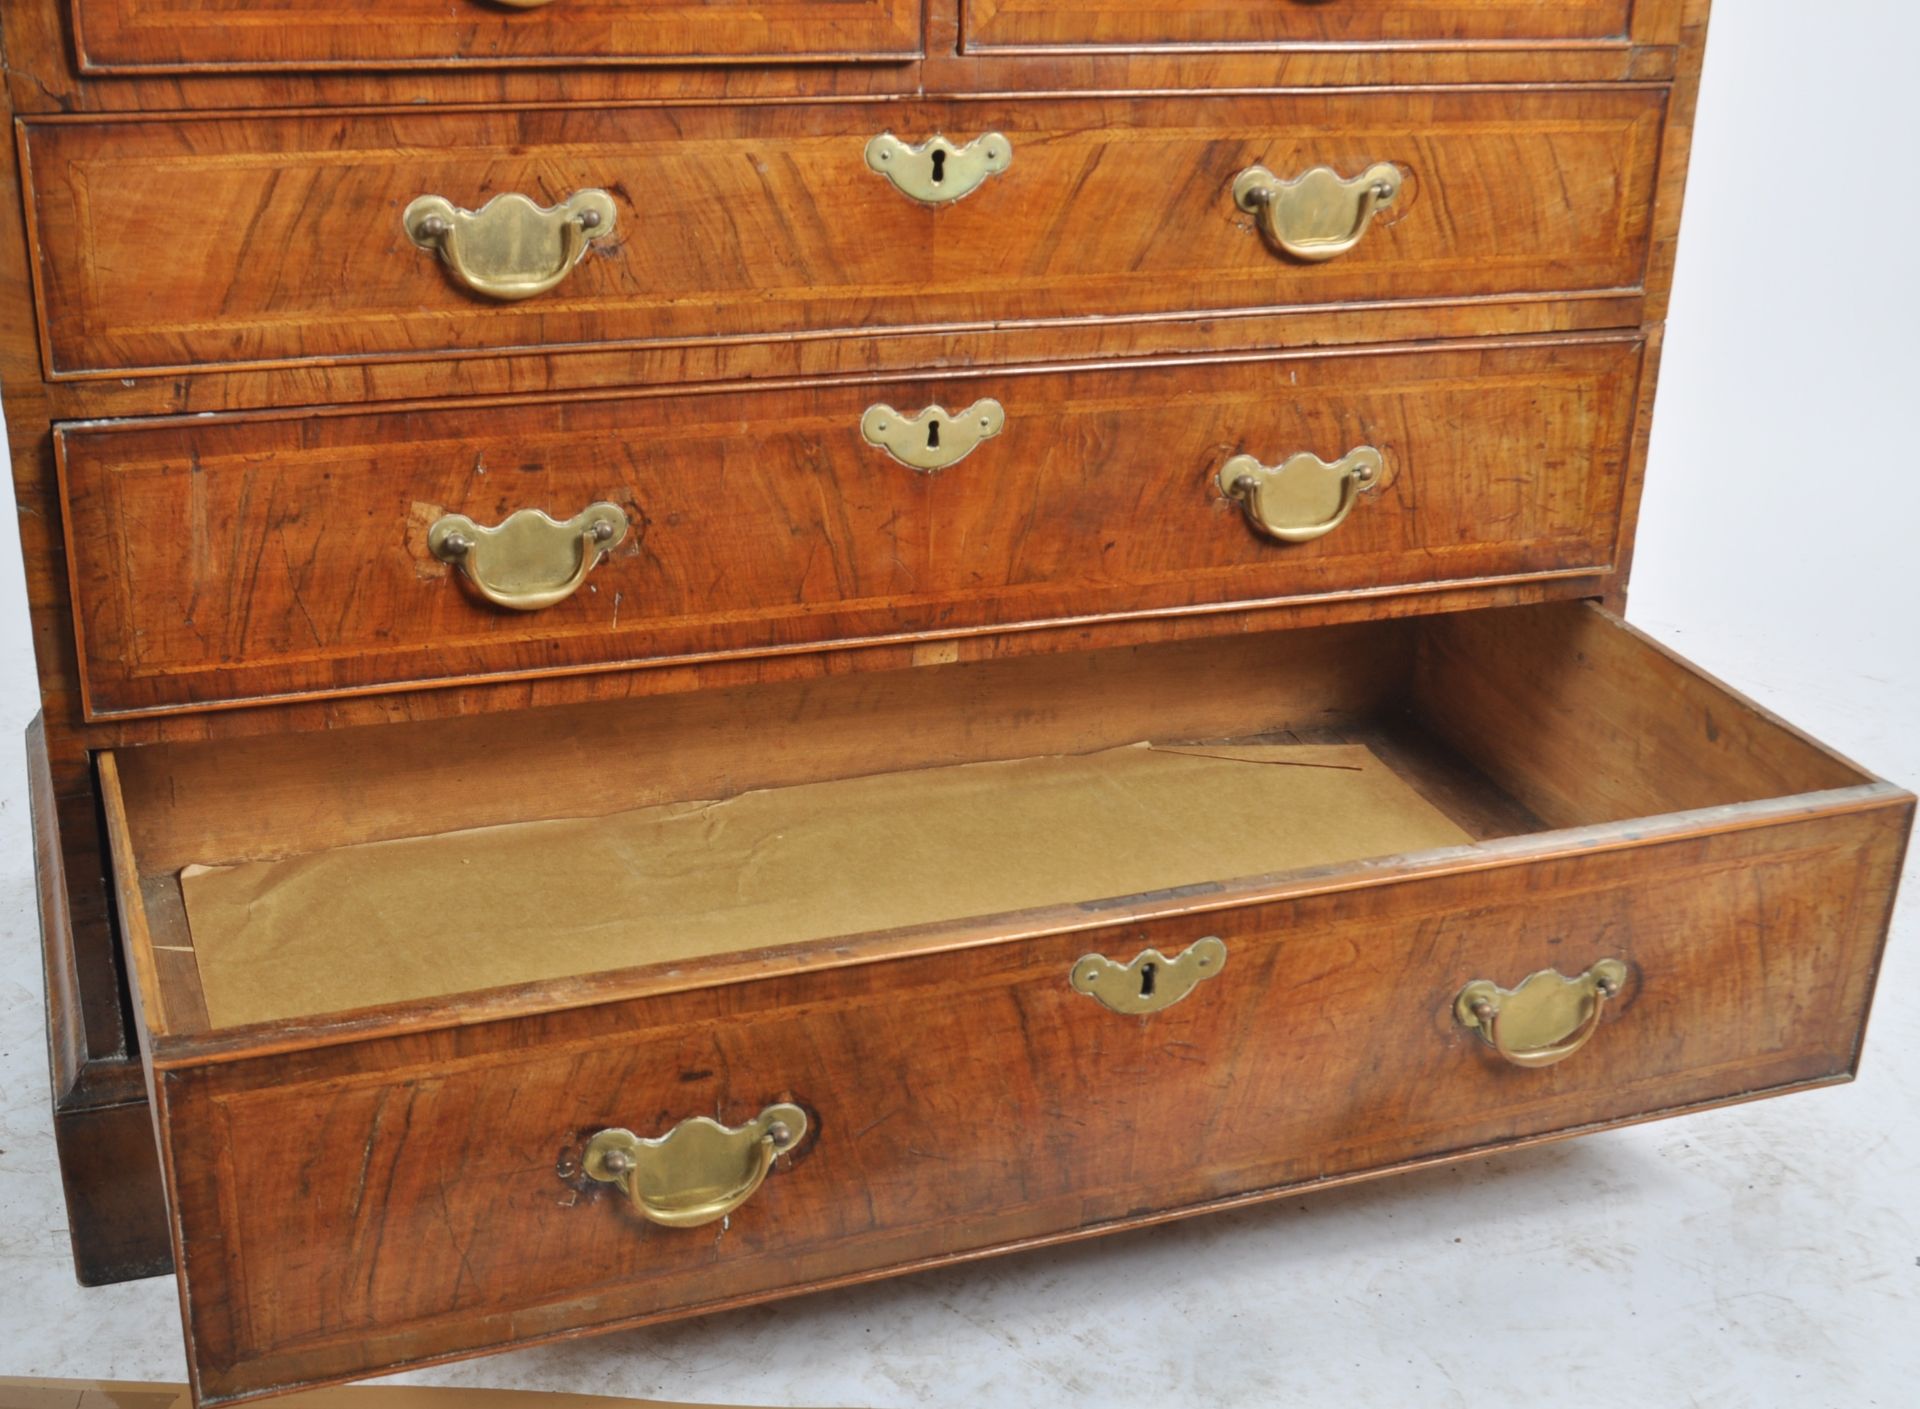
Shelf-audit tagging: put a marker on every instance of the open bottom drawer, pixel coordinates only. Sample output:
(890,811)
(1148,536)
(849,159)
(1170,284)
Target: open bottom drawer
(378,1120)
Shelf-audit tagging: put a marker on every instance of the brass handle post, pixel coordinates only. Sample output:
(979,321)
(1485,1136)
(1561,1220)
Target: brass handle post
(698,1172)
(1319,215)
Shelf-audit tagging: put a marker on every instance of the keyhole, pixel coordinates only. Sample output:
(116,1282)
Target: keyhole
(933,435)
(939,166)
(1146,980)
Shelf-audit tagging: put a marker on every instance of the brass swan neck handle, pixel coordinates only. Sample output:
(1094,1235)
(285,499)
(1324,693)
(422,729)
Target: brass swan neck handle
(1544,1021)
(511,248)
(698,1172)
(530,561)
(1318,215)
(1304,497)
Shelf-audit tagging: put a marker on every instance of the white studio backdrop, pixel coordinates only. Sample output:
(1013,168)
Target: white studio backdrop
(1778,530)
(1766,1255)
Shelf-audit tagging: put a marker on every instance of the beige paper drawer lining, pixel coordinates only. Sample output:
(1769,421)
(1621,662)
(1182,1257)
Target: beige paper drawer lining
(434,916)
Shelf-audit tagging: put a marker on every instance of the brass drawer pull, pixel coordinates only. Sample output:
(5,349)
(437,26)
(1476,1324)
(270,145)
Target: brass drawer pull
(511,248)
(1304,498)
(1547,1018)
(936,438)
(530,561)
(1152,981)
(1320,215)
(936,171)
(698,1172)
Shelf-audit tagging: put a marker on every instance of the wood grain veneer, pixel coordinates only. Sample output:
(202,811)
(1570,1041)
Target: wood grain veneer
(218,561)
(1110,208)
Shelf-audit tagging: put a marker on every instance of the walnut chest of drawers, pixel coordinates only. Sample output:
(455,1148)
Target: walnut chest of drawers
(656,622)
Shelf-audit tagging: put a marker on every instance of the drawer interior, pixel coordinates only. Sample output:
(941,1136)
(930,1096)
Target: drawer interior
(821,822)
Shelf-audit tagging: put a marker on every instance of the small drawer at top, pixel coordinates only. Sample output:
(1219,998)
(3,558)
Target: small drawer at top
(224,560)
(144,36)
(1180,24)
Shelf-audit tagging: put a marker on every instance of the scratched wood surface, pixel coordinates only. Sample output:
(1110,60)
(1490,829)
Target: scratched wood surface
(220,561)
(1751,923)
(278,239)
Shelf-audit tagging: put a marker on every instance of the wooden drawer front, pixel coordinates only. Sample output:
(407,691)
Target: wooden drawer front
(219,561)
(278,240)
(134,36)
(349,1210)
(1179,24)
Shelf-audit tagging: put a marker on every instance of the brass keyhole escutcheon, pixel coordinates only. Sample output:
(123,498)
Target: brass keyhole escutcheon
(936,172)
(1152,981)
(934,438)
(511,248)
